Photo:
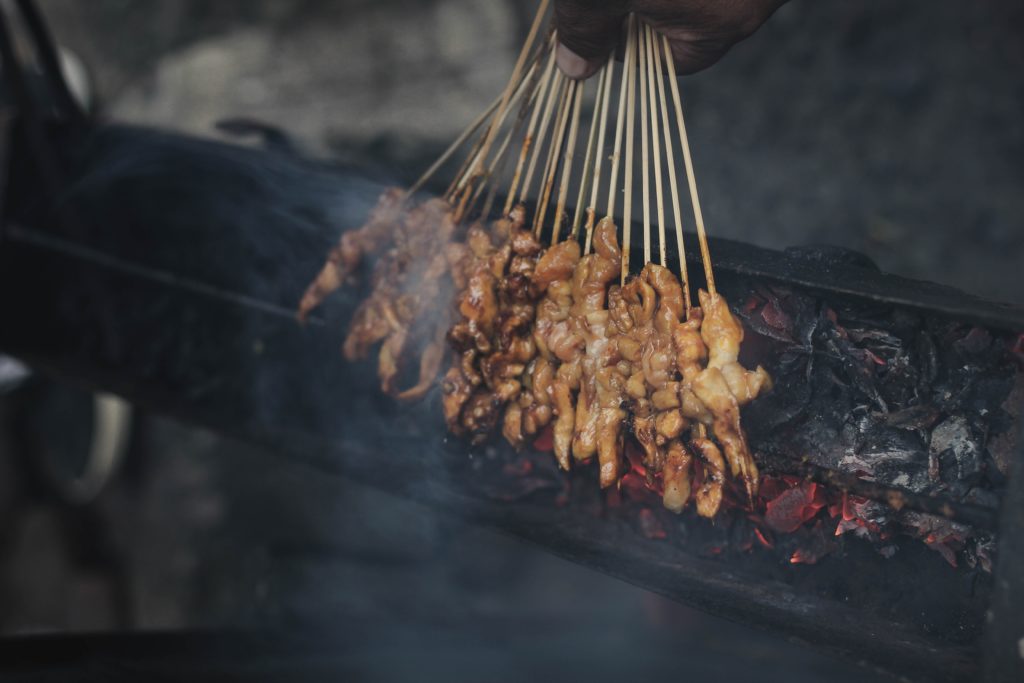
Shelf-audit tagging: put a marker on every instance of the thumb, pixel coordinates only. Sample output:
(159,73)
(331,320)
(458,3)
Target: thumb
(588,31)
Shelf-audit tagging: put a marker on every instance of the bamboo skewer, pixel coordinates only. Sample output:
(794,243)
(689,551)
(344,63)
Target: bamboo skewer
(467,163)
(555,93)
(627,204)
(645,153)
(554,152)
(543,90)
(489,173)
(596,181)
(620,120)
(538,20)
(475,171)
(533,91)
(469,166)
(688,161)
(673,185)
(551,113)
(514,131)
(452,148)
(570,153)
(656,141)
(591,142)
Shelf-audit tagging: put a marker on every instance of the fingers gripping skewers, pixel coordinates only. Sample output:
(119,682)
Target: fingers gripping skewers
(562,338)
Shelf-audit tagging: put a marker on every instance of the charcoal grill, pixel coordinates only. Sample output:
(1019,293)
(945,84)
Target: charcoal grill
(169,274)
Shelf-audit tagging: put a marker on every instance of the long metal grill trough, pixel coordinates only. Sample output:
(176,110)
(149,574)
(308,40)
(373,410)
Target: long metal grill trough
(166,269)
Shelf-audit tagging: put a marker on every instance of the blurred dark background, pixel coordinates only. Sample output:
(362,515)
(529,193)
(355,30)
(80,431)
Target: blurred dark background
(896,129)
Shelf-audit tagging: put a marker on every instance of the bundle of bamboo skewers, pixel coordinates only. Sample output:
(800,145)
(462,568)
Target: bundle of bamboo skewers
(540,340)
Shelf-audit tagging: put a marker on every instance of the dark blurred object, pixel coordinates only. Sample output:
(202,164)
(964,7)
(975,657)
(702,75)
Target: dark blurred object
(75,440)
(12,374)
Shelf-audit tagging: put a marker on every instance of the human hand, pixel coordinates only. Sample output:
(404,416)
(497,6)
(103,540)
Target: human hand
(699,31)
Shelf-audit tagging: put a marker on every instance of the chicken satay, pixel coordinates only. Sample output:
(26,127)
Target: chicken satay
(646,434)
(565,410)
(512,424)
(421,274)
(610,418)
(709,495)
(430,364)
(670,297)
(480,415)
(723,335)
(590,321)
(455,392)
(631,328)
(478,302)
(645,311)
(401,291)
(343,259)
(599,412)
(497,306)
(713,391)
(431,287)
(539,412)
(556,339)
(372,322)
(554,335)
(669,423)
(691,352)
(676,476)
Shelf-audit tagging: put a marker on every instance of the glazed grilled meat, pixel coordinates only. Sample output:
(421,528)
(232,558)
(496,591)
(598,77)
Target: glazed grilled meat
(599,413)
(493,338)
(547,339)
(354,245)
(410,277)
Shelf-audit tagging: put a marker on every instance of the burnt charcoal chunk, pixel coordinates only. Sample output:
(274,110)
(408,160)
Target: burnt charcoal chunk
(975,343)
(959,452)
(777,409)
(888,395)
(928,358)
(988,391)
(827,255)
(915,417)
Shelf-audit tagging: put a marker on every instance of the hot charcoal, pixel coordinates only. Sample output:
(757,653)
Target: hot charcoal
(919,406)
(907,400)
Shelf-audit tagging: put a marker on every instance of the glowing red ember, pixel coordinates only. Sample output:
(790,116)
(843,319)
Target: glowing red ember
(776,317)
(765,541)
(545,441)
(1017,349)
(790,509)
(650,526)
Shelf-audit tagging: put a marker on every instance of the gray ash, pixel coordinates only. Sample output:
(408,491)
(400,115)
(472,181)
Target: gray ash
(905,400)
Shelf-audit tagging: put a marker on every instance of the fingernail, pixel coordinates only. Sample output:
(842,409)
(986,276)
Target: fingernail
(572,65)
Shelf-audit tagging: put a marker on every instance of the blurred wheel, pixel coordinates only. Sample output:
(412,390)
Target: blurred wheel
(75,440)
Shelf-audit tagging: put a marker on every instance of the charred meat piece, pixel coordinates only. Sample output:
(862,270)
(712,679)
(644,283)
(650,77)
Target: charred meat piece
(496,304)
